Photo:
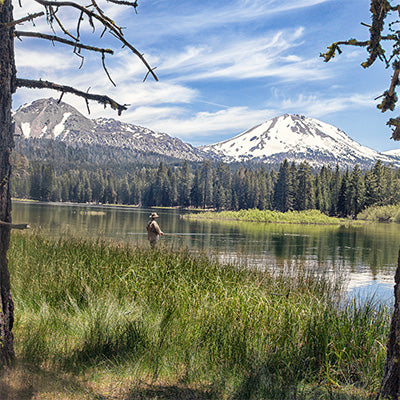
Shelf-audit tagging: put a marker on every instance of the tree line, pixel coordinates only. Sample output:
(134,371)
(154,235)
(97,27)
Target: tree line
(213,185)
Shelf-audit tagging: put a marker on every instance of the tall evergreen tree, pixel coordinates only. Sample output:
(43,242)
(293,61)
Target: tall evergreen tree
(305,196)
(197,192)
(207,175)
(343,205)
(283,200)
(334,187)
(356,191)
(185,185)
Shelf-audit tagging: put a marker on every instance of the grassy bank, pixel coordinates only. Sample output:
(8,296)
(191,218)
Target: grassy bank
(254,215)
(390,213)
(113,322)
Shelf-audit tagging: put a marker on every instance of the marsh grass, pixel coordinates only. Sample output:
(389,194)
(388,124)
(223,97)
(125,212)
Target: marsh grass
(173,316)
(255,215)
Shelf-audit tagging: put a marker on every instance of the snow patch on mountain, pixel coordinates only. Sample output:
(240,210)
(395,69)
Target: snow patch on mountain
(26,129)
(59,128)
(50,119)
(296,138)
(393,153)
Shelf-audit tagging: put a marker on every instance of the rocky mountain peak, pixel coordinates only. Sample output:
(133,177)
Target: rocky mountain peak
(50,119)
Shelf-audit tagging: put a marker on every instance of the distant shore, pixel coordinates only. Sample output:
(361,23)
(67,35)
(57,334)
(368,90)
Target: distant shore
(267,216)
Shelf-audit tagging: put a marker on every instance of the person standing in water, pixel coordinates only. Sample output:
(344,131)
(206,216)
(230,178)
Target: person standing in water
(153,230)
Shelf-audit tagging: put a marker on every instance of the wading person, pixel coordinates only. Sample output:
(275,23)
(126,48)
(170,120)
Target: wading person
(153,230)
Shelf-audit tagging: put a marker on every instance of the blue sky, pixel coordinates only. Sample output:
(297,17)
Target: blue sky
(223,67)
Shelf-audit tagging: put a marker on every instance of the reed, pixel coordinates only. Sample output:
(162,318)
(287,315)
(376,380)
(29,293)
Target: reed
(170,315)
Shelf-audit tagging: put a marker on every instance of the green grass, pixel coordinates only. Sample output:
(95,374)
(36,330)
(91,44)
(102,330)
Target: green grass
(254,215)
(389,213)
(170,316)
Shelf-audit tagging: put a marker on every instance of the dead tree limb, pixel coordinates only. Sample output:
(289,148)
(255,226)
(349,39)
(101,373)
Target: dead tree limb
(102,99)
(106,22)
(54,38)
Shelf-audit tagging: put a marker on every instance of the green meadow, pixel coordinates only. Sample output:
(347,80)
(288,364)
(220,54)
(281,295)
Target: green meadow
(103,320)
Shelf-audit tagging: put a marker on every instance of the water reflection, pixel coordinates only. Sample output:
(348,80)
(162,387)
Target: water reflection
(366,254)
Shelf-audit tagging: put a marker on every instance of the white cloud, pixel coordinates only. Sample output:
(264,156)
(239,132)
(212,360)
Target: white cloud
(207,127)
(202,126)
(245,58)
(191,17)
(316,106)
(44,60)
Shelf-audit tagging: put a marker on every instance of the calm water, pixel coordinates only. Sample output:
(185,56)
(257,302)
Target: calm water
(366,256)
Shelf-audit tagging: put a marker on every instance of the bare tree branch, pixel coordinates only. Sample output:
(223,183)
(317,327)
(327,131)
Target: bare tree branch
(54,38)
(105,21)
(14,226)
(105,100)
(29,17)
(52,15)
(125,3)
(105,69)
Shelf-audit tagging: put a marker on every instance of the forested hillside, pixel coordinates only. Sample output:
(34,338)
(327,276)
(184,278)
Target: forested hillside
(60,174)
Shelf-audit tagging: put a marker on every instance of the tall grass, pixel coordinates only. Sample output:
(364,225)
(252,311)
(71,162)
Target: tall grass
(170,315)
(255,215)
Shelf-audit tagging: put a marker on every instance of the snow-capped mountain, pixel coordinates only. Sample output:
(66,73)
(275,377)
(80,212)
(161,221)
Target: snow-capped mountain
(48,119)
(297,138)
(294,137)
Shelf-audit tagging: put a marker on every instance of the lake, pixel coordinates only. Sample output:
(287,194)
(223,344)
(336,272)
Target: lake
(365,256)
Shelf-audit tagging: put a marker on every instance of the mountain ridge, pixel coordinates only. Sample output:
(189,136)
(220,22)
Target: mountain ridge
(48,119)
(289,136)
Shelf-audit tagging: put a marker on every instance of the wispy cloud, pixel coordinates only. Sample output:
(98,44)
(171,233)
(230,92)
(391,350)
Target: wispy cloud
(206,127)
(189,17)
(273,55)
(201,127)
(44,61)
(317,106)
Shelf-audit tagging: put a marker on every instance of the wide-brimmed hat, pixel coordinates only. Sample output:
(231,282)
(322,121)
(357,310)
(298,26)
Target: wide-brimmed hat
(153,215)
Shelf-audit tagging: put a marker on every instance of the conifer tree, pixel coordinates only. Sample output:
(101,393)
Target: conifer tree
(305,196)
(343,206)
(334,188)
(283,200)
(197,192)
(185,185)
(207,175)
(356,191)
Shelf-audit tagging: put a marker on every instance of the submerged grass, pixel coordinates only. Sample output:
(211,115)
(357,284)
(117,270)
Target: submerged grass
(255,215)
(169,316)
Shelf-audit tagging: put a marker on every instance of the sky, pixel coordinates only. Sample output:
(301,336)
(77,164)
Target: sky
(223,67)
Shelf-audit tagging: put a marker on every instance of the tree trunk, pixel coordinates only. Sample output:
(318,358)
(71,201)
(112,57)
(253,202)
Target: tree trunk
(7,88)
(390,387)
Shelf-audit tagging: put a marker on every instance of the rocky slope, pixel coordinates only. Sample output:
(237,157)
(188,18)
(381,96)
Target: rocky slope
(48,119)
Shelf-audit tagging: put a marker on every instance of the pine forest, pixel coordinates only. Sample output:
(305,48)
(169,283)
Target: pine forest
(207,185)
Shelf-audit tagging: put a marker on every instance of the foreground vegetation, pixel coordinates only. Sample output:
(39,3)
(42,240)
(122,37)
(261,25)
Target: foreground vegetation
(254,215)
(110,321)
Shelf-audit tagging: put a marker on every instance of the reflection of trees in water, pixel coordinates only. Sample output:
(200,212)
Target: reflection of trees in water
(359,247)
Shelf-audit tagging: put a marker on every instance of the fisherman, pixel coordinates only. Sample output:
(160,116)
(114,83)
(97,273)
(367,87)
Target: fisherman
(153,230)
